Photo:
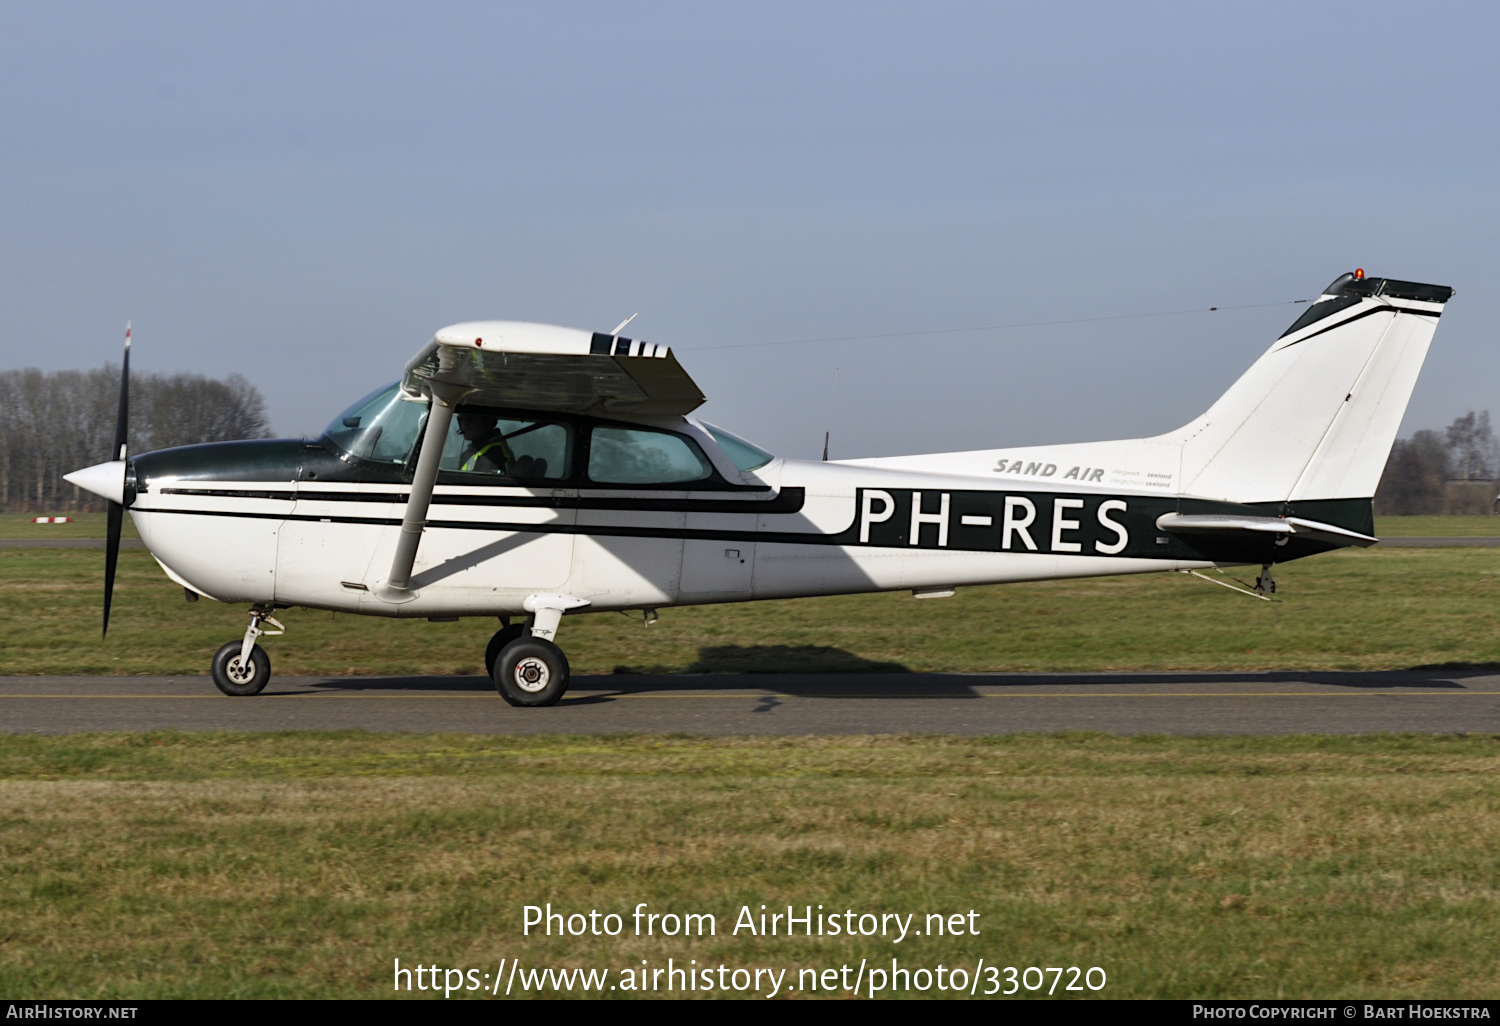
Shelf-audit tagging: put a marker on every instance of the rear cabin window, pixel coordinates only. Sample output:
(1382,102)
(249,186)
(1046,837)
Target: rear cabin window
(492,445)
(630,456)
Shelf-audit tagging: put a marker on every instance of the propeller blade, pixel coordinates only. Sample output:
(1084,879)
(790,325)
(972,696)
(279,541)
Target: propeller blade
(116,510)
(122,418)
(111,557)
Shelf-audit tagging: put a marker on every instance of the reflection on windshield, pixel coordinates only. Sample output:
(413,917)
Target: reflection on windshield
(382,427)
(741,453)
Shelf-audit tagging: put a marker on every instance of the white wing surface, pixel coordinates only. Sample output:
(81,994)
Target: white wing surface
(546,367)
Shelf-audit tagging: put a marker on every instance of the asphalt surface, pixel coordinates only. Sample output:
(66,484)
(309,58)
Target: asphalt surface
(1445,701)
(1128,703)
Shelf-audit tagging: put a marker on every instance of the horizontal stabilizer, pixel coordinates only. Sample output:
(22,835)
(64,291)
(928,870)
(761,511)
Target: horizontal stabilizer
(1229,524)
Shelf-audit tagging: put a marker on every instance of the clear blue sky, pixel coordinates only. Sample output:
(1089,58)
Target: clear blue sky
(304,192)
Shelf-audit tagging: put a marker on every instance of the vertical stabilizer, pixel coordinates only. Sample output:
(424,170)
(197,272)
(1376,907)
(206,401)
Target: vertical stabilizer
(1316,415)
(1313,418)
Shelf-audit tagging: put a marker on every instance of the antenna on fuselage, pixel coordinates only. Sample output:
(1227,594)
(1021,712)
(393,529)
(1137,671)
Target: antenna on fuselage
(621,326)
(828,419)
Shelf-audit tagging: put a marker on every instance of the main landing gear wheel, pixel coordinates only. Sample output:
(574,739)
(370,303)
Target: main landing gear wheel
(531,672)
(236,678)
(504,636)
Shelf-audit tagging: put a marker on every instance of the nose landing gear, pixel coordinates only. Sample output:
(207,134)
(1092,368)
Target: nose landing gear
(242,668)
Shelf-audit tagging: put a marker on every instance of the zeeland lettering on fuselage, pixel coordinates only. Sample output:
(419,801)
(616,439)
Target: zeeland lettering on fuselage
(988,521)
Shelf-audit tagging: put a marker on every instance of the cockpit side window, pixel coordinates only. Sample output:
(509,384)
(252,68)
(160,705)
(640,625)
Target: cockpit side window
(382,427)
(491,444)
(630,456)
(486,445)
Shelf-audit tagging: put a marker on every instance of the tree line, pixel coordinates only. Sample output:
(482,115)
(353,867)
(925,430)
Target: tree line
(55,422)
(1449,471)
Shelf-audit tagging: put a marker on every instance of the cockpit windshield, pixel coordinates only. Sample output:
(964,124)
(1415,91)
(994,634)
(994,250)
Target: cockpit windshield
(382,427)
(741,453)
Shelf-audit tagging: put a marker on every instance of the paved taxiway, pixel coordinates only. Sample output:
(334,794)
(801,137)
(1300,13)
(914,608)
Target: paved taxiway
(1125,703)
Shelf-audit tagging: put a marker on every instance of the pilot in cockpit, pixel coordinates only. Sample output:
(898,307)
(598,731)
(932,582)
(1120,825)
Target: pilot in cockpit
(487,451)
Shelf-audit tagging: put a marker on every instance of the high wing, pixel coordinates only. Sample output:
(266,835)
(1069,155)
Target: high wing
(546,367)
(539,367)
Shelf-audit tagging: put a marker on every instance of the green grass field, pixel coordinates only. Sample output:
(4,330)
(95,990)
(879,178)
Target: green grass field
(1353,609)
(81,525)
(1435,527)
(303,864)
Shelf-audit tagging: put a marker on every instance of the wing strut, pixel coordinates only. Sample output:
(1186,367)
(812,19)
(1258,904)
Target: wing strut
(445,396)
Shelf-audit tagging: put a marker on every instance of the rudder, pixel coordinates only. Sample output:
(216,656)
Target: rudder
(1316,415)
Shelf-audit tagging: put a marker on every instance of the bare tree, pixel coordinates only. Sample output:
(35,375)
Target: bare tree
(1442,471)
(52,423)
(1416,476)
(1472,447)
(184,409)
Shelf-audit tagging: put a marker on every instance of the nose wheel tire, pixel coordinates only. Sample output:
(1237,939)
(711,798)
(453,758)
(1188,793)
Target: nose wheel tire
(531,672)
(504,636)
(234,678)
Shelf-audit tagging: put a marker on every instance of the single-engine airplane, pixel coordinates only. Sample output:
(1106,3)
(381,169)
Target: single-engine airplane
(526,471)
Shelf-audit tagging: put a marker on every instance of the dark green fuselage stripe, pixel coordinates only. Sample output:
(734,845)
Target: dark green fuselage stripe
(1092,528)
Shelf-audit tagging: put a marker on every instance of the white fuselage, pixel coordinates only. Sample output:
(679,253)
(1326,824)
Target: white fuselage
(818,529)
(1298,442)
